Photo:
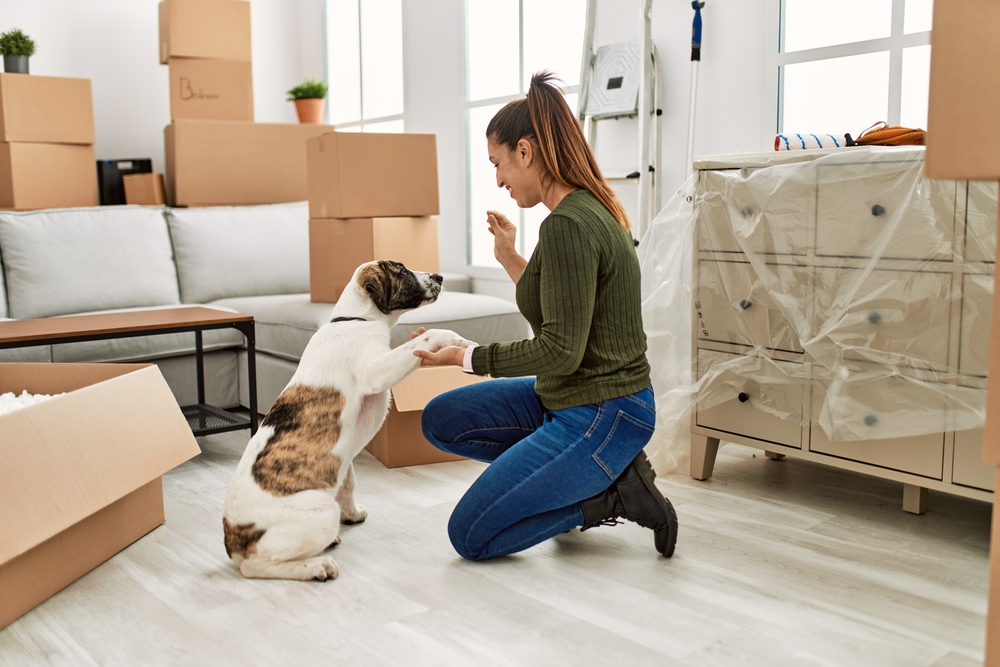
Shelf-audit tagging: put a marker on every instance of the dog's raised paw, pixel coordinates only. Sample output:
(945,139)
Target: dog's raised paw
(324,569)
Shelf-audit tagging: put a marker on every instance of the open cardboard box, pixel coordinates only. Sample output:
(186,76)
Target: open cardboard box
(400,441)
(80,473)
(337,247)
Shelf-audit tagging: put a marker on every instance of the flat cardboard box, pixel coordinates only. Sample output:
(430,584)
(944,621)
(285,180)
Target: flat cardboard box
(213,29)
(80,473)
(964,92)
(361,175)
(338,247)
(400,441)
(144,189)
(232,163)
(210,89)
(46,109)
(36,176)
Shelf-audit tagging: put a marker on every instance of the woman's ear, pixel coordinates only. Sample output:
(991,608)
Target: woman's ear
(525,152)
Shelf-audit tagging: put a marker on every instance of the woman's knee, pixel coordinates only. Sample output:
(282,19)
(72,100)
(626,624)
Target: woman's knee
(459,532)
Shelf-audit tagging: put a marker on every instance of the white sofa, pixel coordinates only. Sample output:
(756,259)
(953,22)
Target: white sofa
(252,260)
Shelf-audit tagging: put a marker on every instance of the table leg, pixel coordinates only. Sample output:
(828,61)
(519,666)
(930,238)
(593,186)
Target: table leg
(199,354)
(247,328)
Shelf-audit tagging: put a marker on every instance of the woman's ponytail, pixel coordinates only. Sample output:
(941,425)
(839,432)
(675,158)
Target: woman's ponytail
(546,117)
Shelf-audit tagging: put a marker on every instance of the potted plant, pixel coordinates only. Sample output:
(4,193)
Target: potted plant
(308,97)
(16,48)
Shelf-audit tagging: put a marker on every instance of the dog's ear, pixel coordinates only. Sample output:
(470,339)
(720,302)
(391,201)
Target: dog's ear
(377,282)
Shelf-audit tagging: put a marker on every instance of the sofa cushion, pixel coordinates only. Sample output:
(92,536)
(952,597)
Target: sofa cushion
(285,323)
(63,261)
(144,348)
(3,292)
(236,251)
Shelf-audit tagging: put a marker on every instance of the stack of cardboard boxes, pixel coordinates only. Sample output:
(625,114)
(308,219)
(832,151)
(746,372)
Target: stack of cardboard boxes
(215,154)
(46,142)
(375,196)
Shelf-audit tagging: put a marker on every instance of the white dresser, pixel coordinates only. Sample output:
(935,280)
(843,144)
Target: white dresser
(842,313)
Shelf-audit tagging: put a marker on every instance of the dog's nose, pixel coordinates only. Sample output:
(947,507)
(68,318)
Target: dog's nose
(437,278)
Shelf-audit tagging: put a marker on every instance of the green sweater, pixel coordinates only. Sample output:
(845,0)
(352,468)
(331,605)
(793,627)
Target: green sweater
(580,292)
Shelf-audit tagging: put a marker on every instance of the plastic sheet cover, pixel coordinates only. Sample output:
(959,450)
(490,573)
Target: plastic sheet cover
(840,291)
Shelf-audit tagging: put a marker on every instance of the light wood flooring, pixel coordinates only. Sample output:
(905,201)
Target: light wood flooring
(778,563)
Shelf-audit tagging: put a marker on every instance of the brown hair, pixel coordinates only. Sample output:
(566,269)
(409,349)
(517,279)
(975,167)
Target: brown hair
(545,118)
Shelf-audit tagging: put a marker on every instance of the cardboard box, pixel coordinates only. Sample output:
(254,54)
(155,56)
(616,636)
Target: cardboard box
(46,109)
(400,441)
(47,176)
(361,175)
(80,473)
(220,162)
(213,29)
(210,89)
(144,189)
(964,92)
(338,247)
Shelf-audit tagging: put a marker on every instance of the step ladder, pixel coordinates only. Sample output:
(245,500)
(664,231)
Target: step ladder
(621,81)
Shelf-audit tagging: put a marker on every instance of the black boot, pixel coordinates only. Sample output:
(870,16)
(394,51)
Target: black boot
(634,496)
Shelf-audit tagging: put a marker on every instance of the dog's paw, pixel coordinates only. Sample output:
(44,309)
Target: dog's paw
(334,543)
(323,569)
(439,338)
(359,516)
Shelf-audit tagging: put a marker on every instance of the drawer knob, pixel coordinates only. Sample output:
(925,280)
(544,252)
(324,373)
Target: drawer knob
(870,420)
(878,210)
(745,303)
(874,317)
(744,397)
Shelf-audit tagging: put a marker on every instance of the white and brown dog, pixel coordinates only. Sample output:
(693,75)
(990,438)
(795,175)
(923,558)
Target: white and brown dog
(295,482)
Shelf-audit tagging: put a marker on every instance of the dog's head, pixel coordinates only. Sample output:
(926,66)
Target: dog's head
(393,289)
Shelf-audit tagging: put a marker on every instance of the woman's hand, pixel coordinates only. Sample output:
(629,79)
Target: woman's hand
(504,235)
(504,249)
(453,355)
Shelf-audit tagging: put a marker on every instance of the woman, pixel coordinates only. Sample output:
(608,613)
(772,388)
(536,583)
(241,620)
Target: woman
(564,447)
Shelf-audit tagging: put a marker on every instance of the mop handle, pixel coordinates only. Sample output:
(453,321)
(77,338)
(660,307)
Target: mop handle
(696,31)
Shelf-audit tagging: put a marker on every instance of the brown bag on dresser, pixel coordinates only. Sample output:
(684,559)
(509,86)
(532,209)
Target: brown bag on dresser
(882,134)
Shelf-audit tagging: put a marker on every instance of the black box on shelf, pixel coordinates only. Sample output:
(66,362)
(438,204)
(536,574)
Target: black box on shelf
(109,177)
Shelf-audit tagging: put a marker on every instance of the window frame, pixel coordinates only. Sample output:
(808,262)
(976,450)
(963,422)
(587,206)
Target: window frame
(471,142)
(775,60)
(359,124)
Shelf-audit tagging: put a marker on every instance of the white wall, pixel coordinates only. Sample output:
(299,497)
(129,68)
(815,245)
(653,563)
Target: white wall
(114,43)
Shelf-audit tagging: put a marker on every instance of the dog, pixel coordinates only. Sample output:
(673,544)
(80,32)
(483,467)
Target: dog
(294,485)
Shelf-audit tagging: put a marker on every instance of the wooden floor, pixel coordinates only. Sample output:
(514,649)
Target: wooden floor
(778,563)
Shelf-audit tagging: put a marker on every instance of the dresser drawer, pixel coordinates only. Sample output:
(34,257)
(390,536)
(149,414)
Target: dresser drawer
(745,210)
(977,305)
(777,384)
(857,208)
(898,317)
(734,304)
(981,222)
(968,468)
(873,406)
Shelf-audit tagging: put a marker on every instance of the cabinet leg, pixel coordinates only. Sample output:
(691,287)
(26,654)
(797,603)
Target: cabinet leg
(703,451)
(914,499)
(773,455)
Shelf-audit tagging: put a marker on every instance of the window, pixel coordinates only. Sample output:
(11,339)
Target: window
(364,65)
(844,65)
(506,42)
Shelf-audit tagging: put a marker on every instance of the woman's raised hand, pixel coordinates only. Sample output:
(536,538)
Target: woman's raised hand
(504,235)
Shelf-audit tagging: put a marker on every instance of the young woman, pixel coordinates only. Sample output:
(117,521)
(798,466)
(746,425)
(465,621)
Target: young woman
(564,446)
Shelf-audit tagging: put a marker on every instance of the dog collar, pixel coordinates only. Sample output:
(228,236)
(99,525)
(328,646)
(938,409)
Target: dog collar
(348,319)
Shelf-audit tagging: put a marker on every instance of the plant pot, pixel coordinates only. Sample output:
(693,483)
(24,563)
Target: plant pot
(15,64)
(310,110)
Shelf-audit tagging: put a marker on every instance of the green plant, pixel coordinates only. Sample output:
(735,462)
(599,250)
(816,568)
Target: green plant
(308,89)
(16,43)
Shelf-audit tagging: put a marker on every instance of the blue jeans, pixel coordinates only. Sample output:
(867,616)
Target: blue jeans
(542,462)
